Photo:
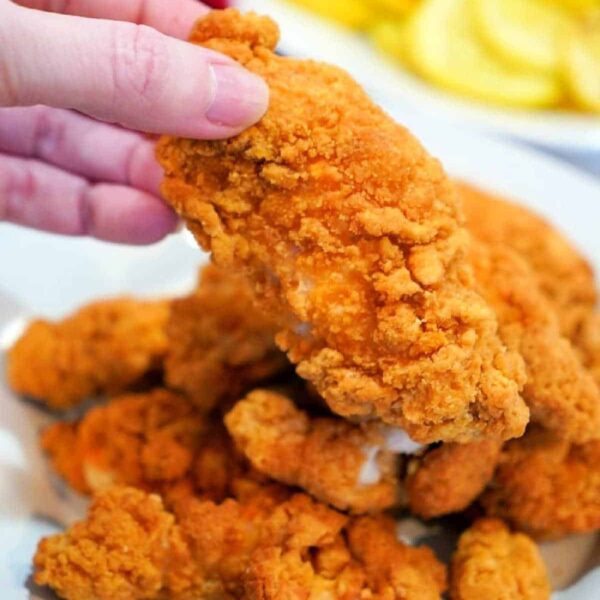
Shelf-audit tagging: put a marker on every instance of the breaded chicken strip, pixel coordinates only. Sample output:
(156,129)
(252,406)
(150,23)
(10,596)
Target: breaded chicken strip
(106,347)
(343,464)
(587,344)
(492,563)
(350,231)
(130,548)
(564,275)
(450,477)
(157,441)
(368,562)
(546,486)
(219,341)
(561,394)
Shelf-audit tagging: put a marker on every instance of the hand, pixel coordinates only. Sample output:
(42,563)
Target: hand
(74,173)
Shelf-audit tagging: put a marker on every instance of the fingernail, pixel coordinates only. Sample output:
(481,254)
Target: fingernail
(241,98)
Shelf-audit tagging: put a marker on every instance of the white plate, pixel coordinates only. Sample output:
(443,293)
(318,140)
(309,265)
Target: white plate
(48,275)
(304,34)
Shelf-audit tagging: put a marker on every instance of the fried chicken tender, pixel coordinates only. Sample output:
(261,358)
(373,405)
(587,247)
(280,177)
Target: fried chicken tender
(493,563)
(106,347)
(220,343)
(561,394)
(588,344)
(327,457)
(130,548)
(157,441)
(352,233)
(546,486)
(450,477)
(564,275)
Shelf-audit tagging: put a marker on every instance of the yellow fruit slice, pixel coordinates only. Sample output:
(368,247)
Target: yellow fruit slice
(446,49)
(526,33)
(578,7)
(582,64)
(395,8)
(351,13)
(391,38)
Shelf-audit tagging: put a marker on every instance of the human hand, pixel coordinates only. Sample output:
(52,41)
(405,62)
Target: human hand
(75,173)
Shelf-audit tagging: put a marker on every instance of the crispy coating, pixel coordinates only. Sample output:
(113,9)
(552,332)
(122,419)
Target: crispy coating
(369,563)
(588,344)
(324,456)
(157,441)
(564,275)
(219,341)
(546,486)
(352,233)
(493,563)
(105,347)
(561,394)
(450,477)
(130,548)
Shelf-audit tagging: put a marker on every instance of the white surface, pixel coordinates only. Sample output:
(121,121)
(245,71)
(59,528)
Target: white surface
(306,35)
(49,275)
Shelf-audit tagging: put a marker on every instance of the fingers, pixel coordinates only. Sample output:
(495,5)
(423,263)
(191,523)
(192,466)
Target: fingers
(174,18)
(36,195)
(76,143)
(124,73)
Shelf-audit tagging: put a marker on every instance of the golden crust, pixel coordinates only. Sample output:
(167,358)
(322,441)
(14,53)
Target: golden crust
(561,394)
(564,275)
(323,456)
(449,478)
(493,563)
(129,547)
(220,343)
(546,486)
(106,347)
(362,251)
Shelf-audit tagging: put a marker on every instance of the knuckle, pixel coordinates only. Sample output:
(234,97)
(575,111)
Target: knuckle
(139,57)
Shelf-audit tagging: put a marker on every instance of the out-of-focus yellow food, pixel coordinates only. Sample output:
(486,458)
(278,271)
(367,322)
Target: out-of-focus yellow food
(525,33)
(582,64)
(398,8)
(391,38)
(446,49)
(351,13)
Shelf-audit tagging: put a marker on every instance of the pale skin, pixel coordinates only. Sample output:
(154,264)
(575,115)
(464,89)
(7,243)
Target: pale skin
(80,80)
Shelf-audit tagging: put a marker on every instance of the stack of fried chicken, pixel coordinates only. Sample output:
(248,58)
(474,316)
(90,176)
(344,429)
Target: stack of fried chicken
(372,339)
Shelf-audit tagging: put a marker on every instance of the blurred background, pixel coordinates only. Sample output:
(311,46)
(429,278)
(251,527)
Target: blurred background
(528,70)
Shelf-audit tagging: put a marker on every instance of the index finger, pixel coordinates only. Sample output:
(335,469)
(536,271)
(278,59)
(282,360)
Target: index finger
(174,18)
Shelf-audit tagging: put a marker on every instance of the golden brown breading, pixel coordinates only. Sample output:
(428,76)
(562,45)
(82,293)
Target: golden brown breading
(219,342)
(353,233)
(324,456)
(564,275)
(587,344)
(492,563)
(546,486)
(369,563)
(105,347)
(561,394)
(157,441)
(449,478)
(130,548)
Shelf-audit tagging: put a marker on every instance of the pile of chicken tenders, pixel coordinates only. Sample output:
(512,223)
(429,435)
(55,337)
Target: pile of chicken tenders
(371,339)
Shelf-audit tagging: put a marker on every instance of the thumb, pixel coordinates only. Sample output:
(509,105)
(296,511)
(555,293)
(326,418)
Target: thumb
(124,73)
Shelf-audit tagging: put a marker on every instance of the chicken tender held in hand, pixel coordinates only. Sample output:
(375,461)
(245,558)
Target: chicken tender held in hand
(351,232)
(343,464)
(105,347)
(564,275)
(157,441)
(547,486)
(560,392)
(448,478)
(220,343)
(492,563)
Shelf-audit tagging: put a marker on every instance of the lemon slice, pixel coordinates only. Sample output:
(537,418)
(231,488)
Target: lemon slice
(397,8)
(351,13)
(445,49)
(526,33)
(582,64)
(391,38)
